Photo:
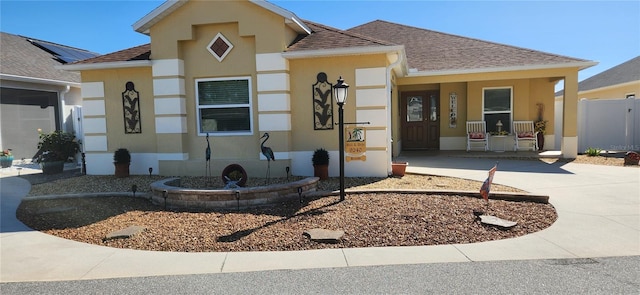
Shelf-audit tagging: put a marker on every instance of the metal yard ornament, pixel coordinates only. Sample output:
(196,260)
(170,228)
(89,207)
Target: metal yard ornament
(486,185)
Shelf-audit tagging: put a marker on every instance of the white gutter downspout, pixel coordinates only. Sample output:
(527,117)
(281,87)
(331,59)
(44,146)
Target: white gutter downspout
(389,119)
(66,90)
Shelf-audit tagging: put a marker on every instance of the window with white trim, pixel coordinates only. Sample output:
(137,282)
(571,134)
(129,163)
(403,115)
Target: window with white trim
(224,106)
(497,104)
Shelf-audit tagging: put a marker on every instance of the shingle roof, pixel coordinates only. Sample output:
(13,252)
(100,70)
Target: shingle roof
(625,72)
(19,57)
(141,52)
(435,51)
(325,37)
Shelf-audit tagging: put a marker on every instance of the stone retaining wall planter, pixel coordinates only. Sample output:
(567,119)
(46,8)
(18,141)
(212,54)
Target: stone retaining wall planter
(244,197)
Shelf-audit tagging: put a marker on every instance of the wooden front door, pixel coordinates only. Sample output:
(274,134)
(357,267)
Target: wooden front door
(420,113)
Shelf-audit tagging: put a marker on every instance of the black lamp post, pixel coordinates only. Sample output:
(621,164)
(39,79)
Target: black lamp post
(340,93)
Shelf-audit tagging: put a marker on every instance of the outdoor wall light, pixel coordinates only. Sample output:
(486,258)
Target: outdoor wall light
(340,91)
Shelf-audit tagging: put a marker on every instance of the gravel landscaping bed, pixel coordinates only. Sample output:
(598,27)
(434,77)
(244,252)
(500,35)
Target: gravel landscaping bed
(368,219)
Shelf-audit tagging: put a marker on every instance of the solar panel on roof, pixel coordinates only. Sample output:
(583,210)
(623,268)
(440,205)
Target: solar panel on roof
(65,54)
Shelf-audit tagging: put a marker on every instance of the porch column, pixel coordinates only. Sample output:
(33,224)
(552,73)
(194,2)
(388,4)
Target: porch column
(569,146)
(169,111)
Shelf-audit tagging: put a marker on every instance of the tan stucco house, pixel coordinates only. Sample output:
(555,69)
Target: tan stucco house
(237,69)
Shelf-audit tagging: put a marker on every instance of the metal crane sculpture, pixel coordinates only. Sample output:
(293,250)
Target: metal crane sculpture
(207,167)
(268,153)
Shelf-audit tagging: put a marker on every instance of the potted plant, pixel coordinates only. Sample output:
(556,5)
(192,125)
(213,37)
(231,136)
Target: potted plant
(54,149)
(122,160)
(6,158)
(398,168)
(320,162)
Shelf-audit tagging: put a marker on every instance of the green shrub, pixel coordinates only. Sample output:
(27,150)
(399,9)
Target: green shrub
(122,156)
(593,152)
(56,146)
(320,157)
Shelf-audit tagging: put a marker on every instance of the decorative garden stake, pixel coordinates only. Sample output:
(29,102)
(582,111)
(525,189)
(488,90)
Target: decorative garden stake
(165,194)
(486,185)
(268,153)
(207,164)
(286,169)
(238,199)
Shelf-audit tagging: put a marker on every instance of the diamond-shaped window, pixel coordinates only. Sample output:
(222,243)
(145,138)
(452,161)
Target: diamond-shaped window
(219,47)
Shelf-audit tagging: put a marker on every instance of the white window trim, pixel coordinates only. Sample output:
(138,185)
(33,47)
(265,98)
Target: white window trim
(500,112)
(250,104)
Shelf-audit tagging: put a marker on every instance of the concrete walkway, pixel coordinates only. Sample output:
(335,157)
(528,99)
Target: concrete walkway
(598,216)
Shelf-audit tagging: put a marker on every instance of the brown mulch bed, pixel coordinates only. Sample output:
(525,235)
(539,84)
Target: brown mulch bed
(369,220)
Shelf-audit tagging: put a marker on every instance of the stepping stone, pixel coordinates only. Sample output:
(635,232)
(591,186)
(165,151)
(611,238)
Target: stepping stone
(498,222)
(324,235)
(125,233)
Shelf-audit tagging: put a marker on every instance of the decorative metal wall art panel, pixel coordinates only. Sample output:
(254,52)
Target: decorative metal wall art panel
(322,103)
(131,109)
(453,110)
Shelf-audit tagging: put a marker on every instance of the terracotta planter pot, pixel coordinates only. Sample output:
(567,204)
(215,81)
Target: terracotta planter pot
(321,171)
(398,168)
(54,167)
(122,170)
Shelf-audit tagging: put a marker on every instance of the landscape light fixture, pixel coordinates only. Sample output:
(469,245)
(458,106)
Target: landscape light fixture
(340,91)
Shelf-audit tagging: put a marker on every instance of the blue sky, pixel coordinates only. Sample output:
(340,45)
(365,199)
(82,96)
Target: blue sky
(604,31)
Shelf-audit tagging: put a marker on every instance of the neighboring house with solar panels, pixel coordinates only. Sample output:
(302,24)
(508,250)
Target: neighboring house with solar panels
(34,93)
(230,71)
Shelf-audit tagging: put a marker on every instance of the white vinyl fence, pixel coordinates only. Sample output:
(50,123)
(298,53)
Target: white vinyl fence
(609,124)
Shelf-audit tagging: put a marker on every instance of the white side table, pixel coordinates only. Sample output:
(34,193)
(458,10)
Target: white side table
(503,138)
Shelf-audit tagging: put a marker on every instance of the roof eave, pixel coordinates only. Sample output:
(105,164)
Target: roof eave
(579,65)
(289,16)
(343,51)
(17,78)
(608,87)
(143,25)
(106,65)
